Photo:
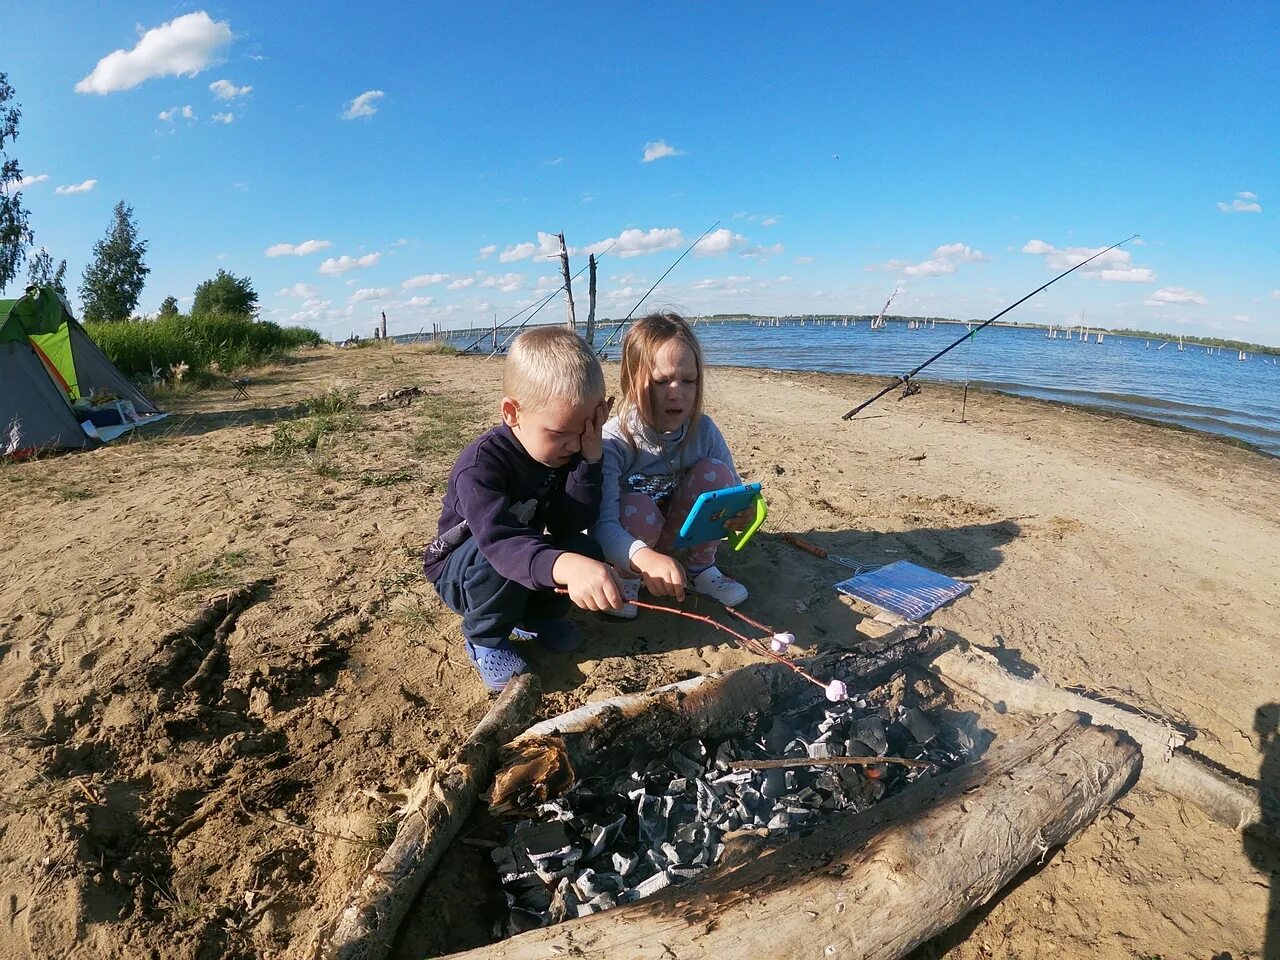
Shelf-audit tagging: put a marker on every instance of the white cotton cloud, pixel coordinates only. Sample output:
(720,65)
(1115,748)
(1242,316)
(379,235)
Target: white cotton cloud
(462,283)
(784,279)
(84,187)
(762,252)
(548,245)
(770,221)
(369,293)
(420,301)
(1275,294)
(1115,266)
(424,280)
(804,260)
(182,47)
(170,116)
(223,117)
(1167,295)
(299,249)
(506,283)
(657,149)
(942,262)
(719,242)
(226,90)
(364,105)
(303,291)
(334,267)
(720,283)
(1245,202)
(635,242)
(14,186)
(484,253)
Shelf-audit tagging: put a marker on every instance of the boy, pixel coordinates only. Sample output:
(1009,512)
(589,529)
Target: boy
(518,501)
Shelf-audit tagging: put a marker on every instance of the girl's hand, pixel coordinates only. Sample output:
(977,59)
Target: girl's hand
(663,576)
(591,444)
(740,521)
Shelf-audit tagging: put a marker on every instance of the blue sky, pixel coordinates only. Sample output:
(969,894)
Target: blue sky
(407,157)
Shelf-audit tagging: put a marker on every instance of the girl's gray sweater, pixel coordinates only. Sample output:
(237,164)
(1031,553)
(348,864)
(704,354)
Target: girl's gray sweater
(654,454)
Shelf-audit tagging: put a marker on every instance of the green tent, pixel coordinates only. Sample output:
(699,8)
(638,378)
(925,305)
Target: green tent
(47,363)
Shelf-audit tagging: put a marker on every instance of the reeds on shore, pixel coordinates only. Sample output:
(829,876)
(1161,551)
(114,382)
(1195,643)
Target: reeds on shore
(147,349)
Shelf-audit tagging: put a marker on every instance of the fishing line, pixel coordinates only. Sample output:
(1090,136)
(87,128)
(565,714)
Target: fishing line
(905,378)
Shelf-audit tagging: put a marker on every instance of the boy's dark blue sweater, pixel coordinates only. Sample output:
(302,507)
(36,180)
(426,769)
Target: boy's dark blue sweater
(515,507)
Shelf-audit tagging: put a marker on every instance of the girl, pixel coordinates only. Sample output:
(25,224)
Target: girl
(660,452)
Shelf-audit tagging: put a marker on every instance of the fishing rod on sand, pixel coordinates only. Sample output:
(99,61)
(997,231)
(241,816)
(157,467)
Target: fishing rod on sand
(621,323)
(905,379)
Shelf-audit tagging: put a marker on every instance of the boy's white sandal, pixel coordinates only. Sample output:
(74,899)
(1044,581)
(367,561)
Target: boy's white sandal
(630,593)
(714,584)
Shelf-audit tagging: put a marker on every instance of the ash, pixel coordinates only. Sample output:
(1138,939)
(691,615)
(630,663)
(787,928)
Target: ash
(613,841)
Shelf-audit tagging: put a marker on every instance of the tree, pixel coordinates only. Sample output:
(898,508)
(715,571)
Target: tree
(226,293)
(41,272)
(15,226)
(113,282)
(170,307)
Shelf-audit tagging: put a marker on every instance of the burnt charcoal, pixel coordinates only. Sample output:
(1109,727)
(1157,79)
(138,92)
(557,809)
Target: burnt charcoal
(799,747)
(683,874)
(775,784)
(542,841)
(825,751)
(870,730)
(689,769)
(520,921)
(707,800)
(790,780)
(554,810)
(589,885)
(530,893)
(606,901)
(554,869)
(624,863)
(725,755)
(780,822)
(918,725)
(859,748)
(659,881)
(779,735)
(653,818)
(677,786)
(564,903)
(656,859)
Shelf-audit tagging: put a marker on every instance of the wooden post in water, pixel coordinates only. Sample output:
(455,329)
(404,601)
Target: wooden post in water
(568,282)
(591,301)
(495,333)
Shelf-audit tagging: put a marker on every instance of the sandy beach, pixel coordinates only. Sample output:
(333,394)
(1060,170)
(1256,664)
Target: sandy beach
(171,799)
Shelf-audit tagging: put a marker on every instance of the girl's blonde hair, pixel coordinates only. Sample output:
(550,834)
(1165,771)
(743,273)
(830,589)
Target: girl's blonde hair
(640,349)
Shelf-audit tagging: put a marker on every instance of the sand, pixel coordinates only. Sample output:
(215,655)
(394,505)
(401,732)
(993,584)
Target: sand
(174,794)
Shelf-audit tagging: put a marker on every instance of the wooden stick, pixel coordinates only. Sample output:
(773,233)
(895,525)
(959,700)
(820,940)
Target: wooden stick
(591,307)
(787,762)
(377,905)
(568,281)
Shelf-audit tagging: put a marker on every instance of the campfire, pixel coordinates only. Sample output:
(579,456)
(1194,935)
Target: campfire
(616,838)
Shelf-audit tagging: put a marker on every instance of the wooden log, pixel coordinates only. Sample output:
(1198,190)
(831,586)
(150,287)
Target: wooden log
(1165,765)
(444,798)
(591,303)
(876,885)
(568,281)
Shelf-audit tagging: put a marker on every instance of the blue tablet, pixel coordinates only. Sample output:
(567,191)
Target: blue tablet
(713,509)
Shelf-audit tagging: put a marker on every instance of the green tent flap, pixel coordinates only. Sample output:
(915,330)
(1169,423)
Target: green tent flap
(43,318)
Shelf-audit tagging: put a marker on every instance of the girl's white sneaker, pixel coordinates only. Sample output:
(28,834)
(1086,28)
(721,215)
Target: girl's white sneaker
(714,584)
(630,593)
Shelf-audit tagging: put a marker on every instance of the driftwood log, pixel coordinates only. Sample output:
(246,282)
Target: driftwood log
(445,797)
(874,885)
(1164,764)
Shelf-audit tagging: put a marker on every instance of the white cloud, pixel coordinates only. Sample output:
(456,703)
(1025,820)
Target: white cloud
(182,47)
(226,90)
(303,291)
(1275,294)
(635,242)
(13,186)
(770,221)
(657,149)
(785,279)
(363,105)
(548,245)
(369,293)
(942,261)
(169,116)
(720,283)
(1115,266)
(297,250)
(1244,202)
(462,283)
(84,187)
(420,301)
(484,253)
(223,117)
(804,260)
(424,280)
(506,283)
(336,266)
(1167,295)
(762,252)
(719,242)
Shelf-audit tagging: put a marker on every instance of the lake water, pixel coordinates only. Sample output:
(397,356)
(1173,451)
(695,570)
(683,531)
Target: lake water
(1214,392)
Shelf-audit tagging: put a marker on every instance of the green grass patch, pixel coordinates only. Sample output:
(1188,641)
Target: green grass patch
(140,347)
(219,572)
(67,491)
(293,437)
(371,478)
(445,426)
(329,404)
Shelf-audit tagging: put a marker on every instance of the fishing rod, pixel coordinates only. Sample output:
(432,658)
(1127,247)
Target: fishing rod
(503,325)
(621,323)
(905,379)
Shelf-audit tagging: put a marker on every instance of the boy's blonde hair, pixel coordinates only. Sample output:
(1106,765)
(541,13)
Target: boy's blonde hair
(639,353)
(551,365)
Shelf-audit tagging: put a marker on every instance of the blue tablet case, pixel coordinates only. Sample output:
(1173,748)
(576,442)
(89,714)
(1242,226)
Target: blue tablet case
(706,521)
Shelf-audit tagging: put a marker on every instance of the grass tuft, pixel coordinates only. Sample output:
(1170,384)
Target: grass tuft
(219,572)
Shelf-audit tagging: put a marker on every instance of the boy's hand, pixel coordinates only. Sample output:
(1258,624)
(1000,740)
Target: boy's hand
(591,443)
(592,585)
(740,521)
(663,576)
